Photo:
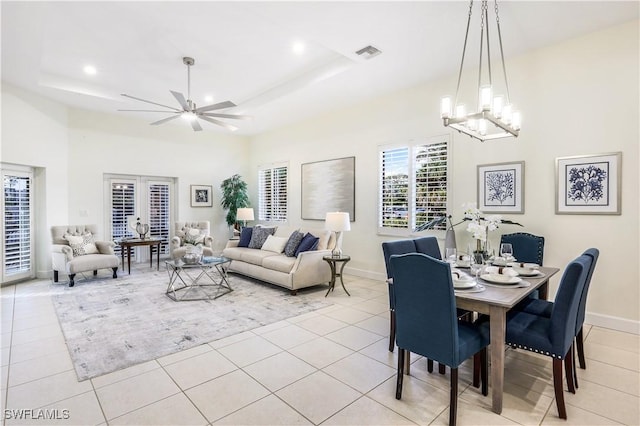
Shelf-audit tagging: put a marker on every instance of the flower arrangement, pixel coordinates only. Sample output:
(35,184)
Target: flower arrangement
(480,226)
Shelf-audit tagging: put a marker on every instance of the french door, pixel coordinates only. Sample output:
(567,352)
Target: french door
(17,224)
(147,198)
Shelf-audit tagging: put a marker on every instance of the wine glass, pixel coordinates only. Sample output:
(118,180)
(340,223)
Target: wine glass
(476,262)
(450,254)
(506,251)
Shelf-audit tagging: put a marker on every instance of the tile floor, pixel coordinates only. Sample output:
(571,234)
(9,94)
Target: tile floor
(328,367)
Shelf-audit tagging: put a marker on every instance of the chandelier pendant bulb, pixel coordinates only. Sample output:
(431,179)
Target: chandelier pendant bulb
(493,119)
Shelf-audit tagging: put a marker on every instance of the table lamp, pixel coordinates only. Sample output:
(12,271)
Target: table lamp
(337,222)
(244,214)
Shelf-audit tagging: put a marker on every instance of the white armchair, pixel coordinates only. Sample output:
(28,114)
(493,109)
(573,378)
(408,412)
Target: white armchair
(75,250)
(194,233)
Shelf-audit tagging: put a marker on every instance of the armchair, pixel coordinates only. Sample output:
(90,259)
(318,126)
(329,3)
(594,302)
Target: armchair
(194,233)
(75,250)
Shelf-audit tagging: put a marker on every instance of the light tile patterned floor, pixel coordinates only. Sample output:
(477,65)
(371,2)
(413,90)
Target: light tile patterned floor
(327,367)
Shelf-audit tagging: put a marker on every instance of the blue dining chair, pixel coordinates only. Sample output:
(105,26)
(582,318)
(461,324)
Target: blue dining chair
(544,308)
(553,336)
(527,247)
(427,321)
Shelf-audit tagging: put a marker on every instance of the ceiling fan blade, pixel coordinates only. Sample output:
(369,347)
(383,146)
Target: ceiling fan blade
(219,105)
(196,126)
(145,110)
(150,102)
(181,100)
(234,116)
(164,120)
(218,122)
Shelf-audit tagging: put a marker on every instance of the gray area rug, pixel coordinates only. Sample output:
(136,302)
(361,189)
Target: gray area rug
(113,324)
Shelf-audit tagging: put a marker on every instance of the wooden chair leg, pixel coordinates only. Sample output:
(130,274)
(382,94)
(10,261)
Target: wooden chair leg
(407,362)
(95,272)
(568,370)
(453,400)
(476,370)
(400,373)
(580,346)
(115,272)
(55,276)
(574,373)
(442,368)
(71,282)
(392,330)
(430,365)
(558,388)
(484,371)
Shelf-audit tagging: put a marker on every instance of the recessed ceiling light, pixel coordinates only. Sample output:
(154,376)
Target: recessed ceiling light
(298,47)
(90,70)
(208,98)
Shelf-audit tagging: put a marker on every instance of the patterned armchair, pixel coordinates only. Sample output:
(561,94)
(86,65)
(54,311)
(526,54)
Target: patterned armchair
(191,233)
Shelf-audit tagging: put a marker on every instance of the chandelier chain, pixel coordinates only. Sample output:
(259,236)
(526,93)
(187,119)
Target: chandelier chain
(504,68)
(464,49)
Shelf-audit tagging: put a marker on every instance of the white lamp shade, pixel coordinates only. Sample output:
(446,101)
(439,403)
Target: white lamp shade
(244,213)
(337,221)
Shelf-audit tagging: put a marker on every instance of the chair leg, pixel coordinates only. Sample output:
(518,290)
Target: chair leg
(580,346)
(392,330)
(574,373)
(557,386)
(95,272)
(407,362)
(453,400)
(568,370)
(430,365)
(71,277)
(400,373)
(115,272)
(476,370)
(55,276)
(484,371)
(442,368)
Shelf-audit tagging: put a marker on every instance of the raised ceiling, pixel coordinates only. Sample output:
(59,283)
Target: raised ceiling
(243,50)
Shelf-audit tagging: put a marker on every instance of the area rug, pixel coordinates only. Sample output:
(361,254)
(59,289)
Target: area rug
(110,324)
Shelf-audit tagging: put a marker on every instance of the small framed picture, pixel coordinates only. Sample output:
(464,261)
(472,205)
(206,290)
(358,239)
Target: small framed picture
(501,188)
(589,184)
(201,195)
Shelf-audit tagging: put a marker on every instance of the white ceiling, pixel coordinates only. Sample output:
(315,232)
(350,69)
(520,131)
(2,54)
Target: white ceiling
(243,50)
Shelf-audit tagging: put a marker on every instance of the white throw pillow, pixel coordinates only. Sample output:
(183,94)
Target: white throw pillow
(274,244)
(82,244)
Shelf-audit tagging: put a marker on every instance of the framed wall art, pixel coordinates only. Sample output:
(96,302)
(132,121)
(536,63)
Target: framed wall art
(328,186)
(501,188)
(589,184)
(201,195)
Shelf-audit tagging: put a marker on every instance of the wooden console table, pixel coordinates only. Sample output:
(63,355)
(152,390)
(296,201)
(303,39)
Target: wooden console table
(134,242)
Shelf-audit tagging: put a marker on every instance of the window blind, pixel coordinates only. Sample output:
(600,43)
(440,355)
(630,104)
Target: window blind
(272,193)
(17,213)
(159,213)
(123,205)
(394,188)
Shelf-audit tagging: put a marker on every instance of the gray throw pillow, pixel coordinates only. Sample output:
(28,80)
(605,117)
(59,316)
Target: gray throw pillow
(259,236)
(293,243)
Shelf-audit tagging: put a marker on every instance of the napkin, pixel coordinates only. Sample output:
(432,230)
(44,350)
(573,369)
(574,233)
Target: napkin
(459,276)
(501,271)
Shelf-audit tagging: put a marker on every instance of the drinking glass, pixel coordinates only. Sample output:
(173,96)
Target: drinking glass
(476,264)
(506,250)
(450,254)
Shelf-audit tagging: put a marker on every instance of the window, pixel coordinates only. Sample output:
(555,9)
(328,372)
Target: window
(123,206)
(413,184)
(17,217)
(272,192)
(159,213)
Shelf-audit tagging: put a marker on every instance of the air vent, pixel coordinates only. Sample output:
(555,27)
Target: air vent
(368,52)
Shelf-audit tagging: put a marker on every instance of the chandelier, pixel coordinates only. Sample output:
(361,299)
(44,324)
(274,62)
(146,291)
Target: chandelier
(495,117)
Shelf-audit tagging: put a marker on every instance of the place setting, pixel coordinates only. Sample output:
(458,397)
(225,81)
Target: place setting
(462,281)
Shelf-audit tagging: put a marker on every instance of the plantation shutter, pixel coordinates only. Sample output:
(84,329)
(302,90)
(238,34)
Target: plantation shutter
(159,213)
(272,193)
(430,176)
(123,206)
(394,188)
(18,226)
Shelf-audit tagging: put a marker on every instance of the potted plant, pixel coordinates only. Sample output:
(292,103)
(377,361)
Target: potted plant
(234,196)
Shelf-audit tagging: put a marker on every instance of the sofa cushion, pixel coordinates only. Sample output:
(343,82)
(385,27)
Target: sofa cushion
(292,243)
(279,263)
(82,244)
(323,236)
(259,236)
(274,244)
(255,257)
(308,243)
(245,237)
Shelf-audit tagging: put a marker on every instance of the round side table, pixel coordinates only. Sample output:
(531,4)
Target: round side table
(333,262)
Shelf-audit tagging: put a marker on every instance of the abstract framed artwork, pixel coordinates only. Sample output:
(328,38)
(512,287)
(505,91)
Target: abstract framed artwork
(328,186)
(201,195)
(501,188)
(589,184)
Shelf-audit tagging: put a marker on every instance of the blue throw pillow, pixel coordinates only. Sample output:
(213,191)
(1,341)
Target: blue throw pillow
(308,243)
(245,237)
(292,244)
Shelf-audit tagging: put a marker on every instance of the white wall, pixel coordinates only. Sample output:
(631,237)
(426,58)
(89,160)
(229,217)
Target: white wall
(578,97)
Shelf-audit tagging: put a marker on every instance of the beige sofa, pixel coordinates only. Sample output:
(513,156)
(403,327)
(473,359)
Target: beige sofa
(305,270)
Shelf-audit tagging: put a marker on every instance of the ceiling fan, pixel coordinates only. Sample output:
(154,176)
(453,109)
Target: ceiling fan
(188,109)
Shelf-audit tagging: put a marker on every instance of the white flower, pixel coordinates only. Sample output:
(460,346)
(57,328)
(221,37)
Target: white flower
(493,221)
(471,211)
(479,231)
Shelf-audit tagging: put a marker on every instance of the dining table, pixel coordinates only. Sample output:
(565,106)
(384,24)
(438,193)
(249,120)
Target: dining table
(495,301)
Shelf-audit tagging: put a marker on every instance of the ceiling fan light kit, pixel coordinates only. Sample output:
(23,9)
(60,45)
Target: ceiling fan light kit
(495,117)
(189,111)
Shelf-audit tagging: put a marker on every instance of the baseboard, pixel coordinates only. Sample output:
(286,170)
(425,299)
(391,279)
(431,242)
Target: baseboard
(614,323)
(365,274)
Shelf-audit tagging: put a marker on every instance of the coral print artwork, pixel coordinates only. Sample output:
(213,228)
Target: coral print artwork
(501,187)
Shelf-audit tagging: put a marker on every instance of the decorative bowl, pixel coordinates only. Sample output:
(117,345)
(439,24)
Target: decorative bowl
(191,258)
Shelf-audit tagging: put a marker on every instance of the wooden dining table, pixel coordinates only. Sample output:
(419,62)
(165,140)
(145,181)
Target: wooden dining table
(495,301)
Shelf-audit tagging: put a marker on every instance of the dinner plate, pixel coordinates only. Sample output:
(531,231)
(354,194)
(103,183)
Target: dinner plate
(527,272)
(525,265)
(500,279)
(462,284)
(475,289)
(462,264)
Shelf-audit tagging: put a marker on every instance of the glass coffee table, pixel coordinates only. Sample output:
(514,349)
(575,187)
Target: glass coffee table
(205,280)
